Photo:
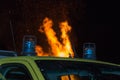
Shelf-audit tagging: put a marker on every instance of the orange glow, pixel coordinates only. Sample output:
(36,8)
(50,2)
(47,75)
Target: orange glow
(39,51)
(65,28)
(58,49)
(70,77)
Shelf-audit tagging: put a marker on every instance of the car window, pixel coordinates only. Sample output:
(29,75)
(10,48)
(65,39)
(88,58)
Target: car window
(76,70)
(15,72)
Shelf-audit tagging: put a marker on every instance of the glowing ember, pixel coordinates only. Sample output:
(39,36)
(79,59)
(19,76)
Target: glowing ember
(58,49)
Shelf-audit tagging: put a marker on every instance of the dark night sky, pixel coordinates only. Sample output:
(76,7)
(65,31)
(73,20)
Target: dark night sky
(91,21)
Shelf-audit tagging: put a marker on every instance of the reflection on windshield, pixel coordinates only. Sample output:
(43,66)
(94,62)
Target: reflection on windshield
(75,70)
(73,77)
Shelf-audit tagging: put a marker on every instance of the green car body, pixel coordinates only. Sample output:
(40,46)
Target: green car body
(56,68)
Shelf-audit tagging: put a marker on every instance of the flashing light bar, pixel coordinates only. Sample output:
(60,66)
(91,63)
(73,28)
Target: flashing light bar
(29,42)
(89,51)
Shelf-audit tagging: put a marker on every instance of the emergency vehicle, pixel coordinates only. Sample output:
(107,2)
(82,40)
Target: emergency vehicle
(13,67)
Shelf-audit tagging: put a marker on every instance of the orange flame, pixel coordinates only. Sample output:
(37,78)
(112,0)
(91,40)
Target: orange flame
(40,51)
(58,49)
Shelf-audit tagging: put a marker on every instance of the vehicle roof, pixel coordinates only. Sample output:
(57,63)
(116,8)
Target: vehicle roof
(4,53)
(28,58)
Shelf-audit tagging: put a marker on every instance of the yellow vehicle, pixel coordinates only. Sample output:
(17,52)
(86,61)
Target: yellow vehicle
(56,68)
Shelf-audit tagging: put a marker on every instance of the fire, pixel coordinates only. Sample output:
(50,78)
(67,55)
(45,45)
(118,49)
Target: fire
(40,51)
(58,49)
(65,28)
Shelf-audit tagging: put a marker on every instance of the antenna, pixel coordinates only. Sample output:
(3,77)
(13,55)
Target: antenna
(14,45)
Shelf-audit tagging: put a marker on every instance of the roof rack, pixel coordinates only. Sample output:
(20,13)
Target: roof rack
(4,53)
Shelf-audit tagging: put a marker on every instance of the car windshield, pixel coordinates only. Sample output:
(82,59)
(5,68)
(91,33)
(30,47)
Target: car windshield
(76,70)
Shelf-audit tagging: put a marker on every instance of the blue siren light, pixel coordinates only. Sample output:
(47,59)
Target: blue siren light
(89,51)
(29,42)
